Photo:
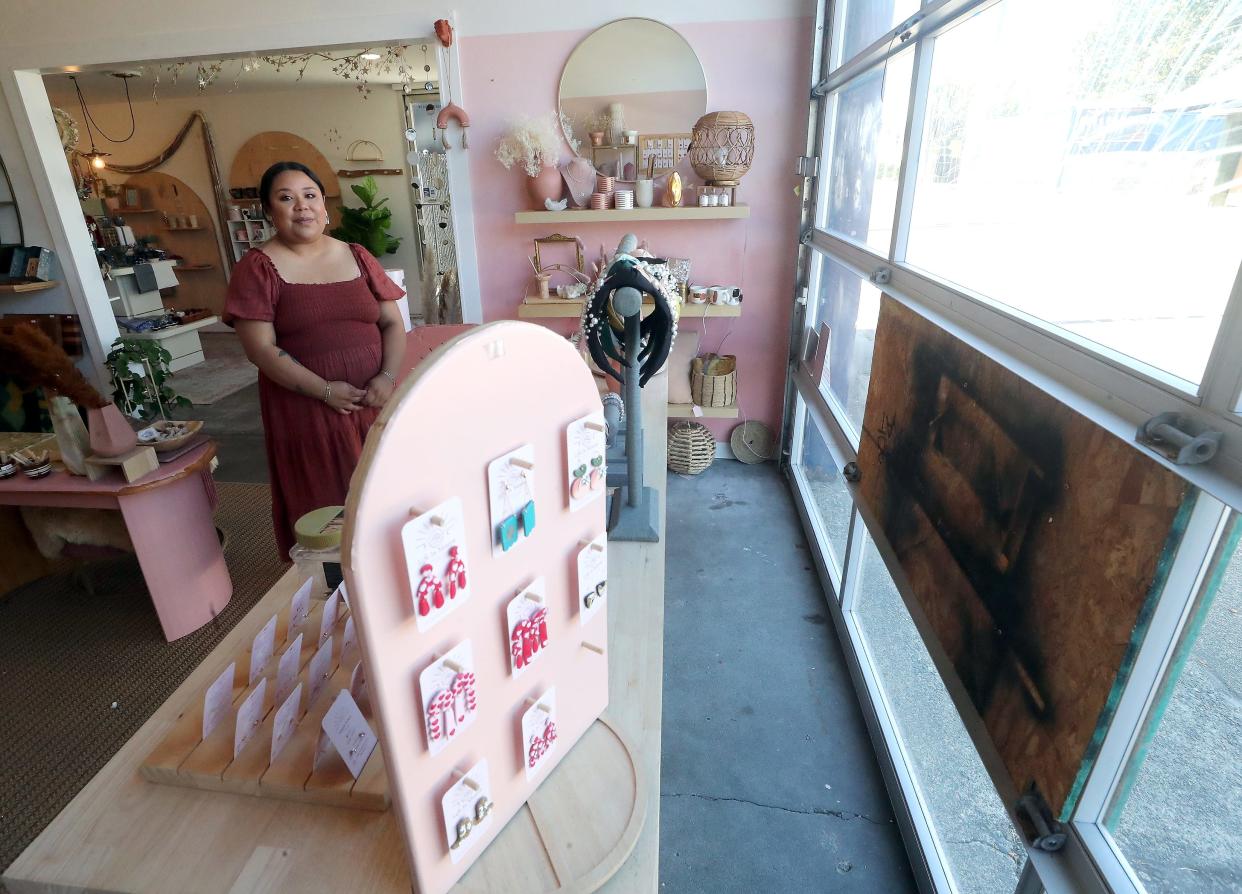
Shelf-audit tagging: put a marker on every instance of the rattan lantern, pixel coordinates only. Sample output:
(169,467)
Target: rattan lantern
(722,147)
(691,448)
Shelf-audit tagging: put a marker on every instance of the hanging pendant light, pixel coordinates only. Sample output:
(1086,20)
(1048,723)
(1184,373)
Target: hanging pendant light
(97,156)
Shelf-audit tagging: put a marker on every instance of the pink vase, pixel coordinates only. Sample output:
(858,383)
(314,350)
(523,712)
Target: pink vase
(111,434)
(547,184)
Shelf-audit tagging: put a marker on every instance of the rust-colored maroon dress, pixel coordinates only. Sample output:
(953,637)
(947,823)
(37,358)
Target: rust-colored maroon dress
(331,329)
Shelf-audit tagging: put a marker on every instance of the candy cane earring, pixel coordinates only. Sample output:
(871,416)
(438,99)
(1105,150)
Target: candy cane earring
(463,690)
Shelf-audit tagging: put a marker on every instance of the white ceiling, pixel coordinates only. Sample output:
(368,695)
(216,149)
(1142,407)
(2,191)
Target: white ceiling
(100,86)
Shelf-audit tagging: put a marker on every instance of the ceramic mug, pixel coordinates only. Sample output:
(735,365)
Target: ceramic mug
(698,294)
(720,294)
(631,137)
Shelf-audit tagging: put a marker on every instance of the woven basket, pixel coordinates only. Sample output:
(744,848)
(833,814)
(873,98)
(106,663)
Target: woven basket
(722,147)
(713,380)
(691,448)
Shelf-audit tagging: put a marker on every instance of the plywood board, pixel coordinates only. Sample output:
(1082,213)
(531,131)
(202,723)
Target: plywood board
(1030,537)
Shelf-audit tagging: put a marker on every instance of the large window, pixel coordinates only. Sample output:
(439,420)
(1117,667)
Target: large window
(1080,162)
(845,313)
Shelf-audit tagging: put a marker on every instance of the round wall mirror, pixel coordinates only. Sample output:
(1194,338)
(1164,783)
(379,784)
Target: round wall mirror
(630,93)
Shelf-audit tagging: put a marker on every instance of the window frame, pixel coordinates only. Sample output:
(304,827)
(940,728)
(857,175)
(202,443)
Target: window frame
(1112,389)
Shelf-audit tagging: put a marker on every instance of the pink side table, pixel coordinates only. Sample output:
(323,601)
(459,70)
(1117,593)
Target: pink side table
(169,517)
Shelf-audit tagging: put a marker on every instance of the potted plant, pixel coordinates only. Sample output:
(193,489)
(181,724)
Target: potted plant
(534,144)
(140,373)
(368,226)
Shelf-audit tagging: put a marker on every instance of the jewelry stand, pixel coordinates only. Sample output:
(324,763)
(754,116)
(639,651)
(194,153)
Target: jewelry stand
(636,517)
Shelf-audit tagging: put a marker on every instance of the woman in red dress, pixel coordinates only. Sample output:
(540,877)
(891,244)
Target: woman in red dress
(317,317)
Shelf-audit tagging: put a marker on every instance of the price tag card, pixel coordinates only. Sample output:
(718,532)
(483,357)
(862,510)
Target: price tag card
(349,732)
(467,808)
(299,606)
(218,700)
(511,496)
(318,672)
(539,733)
(249,716)
(436,562)
(286,722)
(447,690)
(287,669)
(587,472)
(328,620)
(261,650)
(527,618)
(592,577)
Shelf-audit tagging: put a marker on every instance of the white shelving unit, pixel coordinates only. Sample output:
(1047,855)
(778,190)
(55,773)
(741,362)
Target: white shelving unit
(245,233)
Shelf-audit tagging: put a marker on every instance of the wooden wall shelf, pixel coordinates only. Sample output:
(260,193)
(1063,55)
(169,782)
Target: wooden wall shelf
(14,287)
(686,411)
(571,308)
(733,212)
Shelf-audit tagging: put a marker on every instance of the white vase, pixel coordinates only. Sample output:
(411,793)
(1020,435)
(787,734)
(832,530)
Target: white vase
(71,435)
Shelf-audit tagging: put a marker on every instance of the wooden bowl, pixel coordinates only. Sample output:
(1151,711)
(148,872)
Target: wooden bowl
(167,435)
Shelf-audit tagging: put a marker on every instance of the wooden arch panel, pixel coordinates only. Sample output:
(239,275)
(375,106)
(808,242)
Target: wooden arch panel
(173,203)
(264,149)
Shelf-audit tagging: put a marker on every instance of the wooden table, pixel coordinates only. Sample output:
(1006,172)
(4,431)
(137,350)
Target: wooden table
(122,833)
(169,517)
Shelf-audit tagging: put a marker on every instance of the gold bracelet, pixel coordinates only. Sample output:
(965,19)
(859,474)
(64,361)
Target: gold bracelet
(391,377)
(327,391)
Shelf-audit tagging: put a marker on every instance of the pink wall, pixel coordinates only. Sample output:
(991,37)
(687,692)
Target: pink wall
(761,68)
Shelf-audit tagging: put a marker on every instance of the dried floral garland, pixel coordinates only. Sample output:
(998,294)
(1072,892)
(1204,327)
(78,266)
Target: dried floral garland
(353,67)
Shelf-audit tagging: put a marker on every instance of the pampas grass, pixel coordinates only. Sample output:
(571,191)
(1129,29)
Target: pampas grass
(26,353)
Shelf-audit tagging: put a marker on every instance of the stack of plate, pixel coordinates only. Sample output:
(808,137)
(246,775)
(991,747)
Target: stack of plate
(7,469)
(604,183)
(600,200)
(624,199)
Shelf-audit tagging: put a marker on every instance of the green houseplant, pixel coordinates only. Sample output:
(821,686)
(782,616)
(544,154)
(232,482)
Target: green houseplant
(140,372)
(368,225)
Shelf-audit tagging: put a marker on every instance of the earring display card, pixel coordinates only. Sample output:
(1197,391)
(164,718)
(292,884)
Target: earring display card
(592,578)
(435,555)
(539,733)
(318,671)
(287,669)
(285,722)
(584,444)
(349,732)
(249,716)
(299,606)
(511,493)
(448,696)
(467,811)
(261,650)
(327,621)
(527,616)
(358,688)
(218,700)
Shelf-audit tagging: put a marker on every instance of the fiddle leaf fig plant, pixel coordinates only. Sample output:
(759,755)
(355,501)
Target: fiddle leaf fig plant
(140,374)
(368,226)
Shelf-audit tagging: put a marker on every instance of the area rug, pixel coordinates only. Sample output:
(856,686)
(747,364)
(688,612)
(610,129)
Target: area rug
(225,371)
(82,672)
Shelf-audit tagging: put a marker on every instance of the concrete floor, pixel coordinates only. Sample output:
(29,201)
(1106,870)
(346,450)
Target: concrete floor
(769,780)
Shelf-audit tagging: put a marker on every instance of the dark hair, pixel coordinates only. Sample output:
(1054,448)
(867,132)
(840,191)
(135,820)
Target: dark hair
(265,185)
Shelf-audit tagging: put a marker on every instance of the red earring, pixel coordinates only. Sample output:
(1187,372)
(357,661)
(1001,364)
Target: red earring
(456,573)
(429,586)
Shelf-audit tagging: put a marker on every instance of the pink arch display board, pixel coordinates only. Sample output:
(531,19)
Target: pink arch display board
(476,562)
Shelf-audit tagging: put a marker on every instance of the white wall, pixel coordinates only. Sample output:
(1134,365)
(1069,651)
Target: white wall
(329,117)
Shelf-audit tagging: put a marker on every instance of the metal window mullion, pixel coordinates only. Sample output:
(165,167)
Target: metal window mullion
(1222,377)
(928,21)
(916,121)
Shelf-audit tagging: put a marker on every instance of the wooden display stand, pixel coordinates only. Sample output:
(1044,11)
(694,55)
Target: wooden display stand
(462,497)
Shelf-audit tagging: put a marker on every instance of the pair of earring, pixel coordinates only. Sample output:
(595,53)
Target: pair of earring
(465,826)
(584,481)
(541,744)
(507,530)
(528,637)
(595,595)
(431,588)
(443,713)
